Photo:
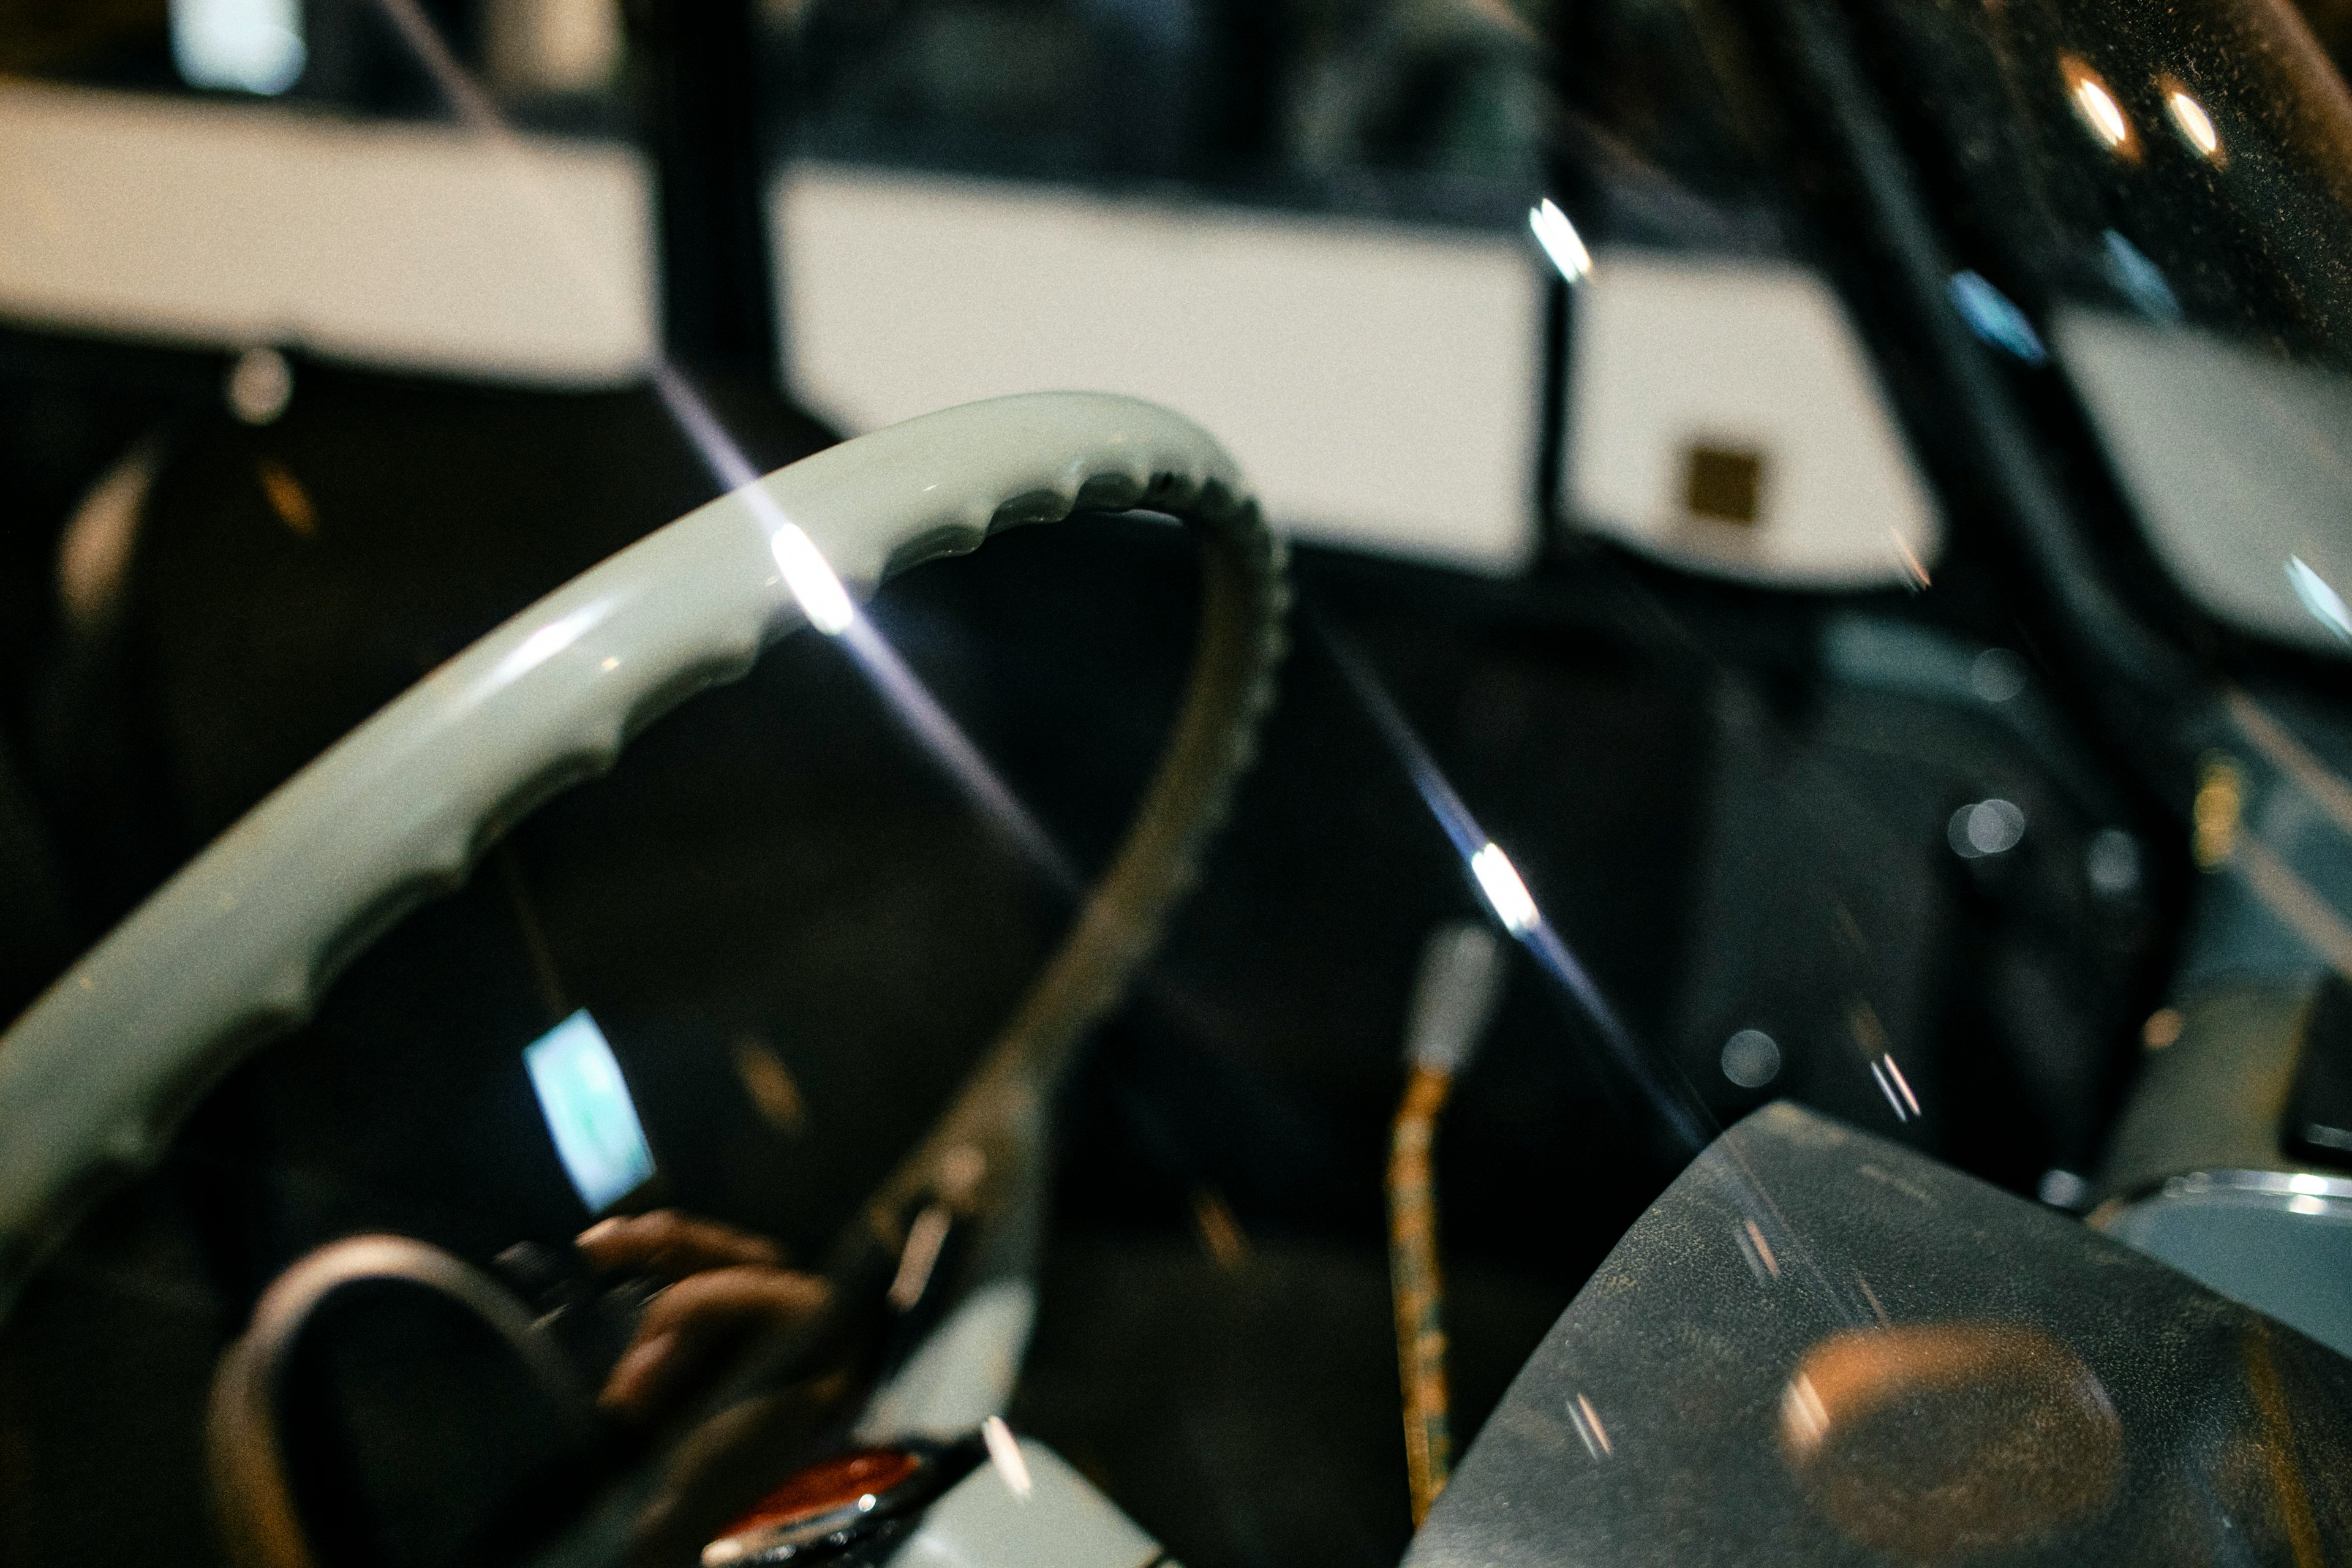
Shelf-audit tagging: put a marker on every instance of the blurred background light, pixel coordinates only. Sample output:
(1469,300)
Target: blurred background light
(552,45)
(1992,827)
(2111,863)
(589,1112)
(1997,675)
(2095,105)
(260,385)
(1993,317)
(1559,240)
(1752,1058)
(2141,280)
(1500,880)
(2195,125)
(244,46)
(2326,605)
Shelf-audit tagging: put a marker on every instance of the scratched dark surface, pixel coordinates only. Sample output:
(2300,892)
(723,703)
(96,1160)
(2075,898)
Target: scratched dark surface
(2215,1435)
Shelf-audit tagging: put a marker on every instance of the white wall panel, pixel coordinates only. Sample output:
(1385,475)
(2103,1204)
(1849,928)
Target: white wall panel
(407,246)
(1678,354)
(1378,382)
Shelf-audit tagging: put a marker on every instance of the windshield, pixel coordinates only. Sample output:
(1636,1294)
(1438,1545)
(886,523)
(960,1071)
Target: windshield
(2208,143)
(2165,194)
(1687,820)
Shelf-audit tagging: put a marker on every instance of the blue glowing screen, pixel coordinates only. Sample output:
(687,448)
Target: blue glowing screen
(588,1110)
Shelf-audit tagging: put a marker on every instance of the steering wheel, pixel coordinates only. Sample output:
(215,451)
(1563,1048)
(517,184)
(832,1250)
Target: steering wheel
(237,947)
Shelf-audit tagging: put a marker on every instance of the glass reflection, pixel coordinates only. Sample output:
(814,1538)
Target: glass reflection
(2094,104)
(1935,1442)
(1561,241)
(247,46)
(2325,605)
(2196,127)
(589,1112)
(2028,990)
(1995,317)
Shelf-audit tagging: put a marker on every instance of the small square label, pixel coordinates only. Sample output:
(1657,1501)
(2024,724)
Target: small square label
(1723,483)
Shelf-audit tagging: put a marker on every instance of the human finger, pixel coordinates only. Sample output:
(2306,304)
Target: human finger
(699,1320)
(672,1244)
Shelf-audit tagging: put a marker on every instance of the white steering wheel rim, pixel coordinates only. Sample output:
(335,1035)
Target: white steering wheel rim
(238,946)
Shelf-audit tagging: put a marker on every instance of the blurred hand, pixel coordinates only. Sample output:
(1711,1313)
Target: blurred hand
(729,1289)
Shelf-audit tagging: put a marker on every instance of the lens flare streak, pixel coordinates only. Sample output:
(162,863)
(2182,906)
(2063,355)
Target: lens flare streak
(1499,880)
(1901,1083)
(936,728)
(1595,1437)
(2096,106)
(812,580)
(2196,126)
(1005,1454)
(1889,1078)
(825,601)
(1515,908)
(822,596)
(1559,240)
(2324,603)
(1766,1233)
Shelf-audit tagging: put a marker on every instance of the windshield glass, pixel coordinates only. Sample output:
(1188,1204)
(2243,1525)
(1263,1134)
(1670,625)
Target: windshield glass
(2164,194)
(2185,165)
(1699,830)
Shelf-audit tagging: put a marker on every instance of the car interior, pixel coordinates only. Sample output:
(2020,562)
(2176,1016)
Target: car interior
(1798,670)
